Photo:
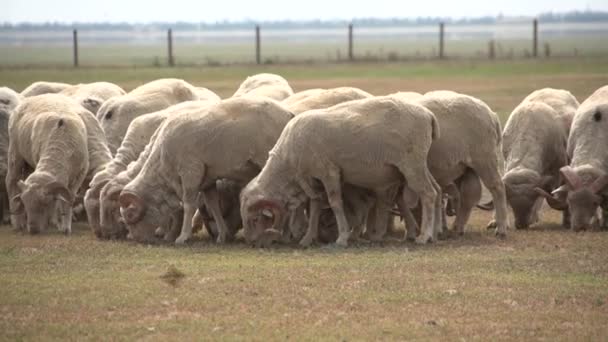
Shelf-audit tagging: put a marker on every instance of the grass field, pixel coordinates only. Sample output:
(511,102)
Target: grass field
(284,50)
(545,283)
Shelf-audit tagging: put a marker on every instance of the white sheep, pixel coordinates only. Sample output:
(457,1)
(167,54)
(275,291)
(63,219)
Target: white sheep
(92,95)
(46,133)
(43,87)
(117,113)
(267,85)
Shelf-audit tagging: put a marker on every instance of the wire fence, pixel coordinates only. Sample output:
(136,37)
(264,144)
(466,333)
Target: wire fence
(155,47)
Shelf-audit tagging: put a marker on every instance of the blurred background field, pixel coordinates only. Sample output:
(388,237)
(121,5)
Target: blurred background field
(146,45)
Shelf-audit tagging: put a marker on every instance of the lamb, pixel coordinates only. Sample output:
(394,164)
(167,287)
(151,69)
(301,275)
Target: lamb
(47,133)
(378,144)
(534,147)
(327,98)
(42,87)
(299,96)
(9,99)
(185,160)
(138,136)
(117,113)
(92,95)
(267,85)
(587,175)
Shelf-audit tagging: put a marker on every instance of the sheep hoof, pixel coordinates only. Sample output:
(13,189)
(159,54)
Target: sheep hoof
(501,235)
(181,240)
(342,241)
(306,241)
(422,240)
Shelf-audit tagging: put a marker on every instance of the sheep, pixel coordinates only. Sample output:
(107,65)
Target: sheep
(267,85)
(469,147)
(562,102)
(374,143)
(92,95)
(138,136)
(407,95)
(117,113)
(587,175)
(185,160)
(327,98)
(42,87)
(9,99)
(46,133)
(534,147)
(299,96)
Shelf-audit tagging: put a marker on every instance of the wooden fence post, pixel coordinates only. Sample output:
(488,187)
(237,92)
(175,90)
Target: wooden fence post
(170,48)
(75,47)
(491,49)
(441,39)
(350,42)
(535,38)
(258,53)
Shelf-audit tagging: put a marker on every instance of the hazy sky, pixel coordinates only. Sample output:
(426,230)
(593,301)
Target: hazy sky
(216,10)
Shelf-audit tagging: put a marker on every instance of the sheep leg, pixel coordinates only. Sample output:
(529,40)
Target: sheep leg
(411,226)
(469,196)
(380,219)
(420,180)
(566,218)
(334,195)
(15,168)
(313,223)
(62,215)
(438,213)
(212,202)
(190,186)
(492,181)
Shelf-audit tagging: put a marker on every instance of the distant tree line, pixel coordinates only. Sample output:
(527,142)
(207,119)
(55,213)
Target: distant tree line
(570,17)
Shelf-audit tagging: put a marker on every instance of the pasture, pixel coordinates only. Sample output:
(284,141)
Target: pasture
(545,283)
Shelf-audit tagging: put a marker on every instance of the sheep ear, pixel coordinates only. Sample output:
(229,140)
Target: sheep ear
(60,192)
(92,102)
(18,205)
(599,184)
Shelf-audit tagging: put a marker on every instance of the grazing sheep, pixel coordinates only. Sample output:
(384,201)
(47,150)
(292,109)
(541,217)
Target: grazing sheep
(469,147)
(534,148)
(562,102)
(117,113)
(92,95)
(42,87)
(138,136)
(267,85)
(299,96)
(378,144)
(46,133)
(587,175)
(187,158)
(327,98)
(9,99)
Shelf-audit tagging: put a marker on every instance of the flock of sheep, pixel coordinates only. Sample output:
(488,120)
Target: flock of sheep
(321,165)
